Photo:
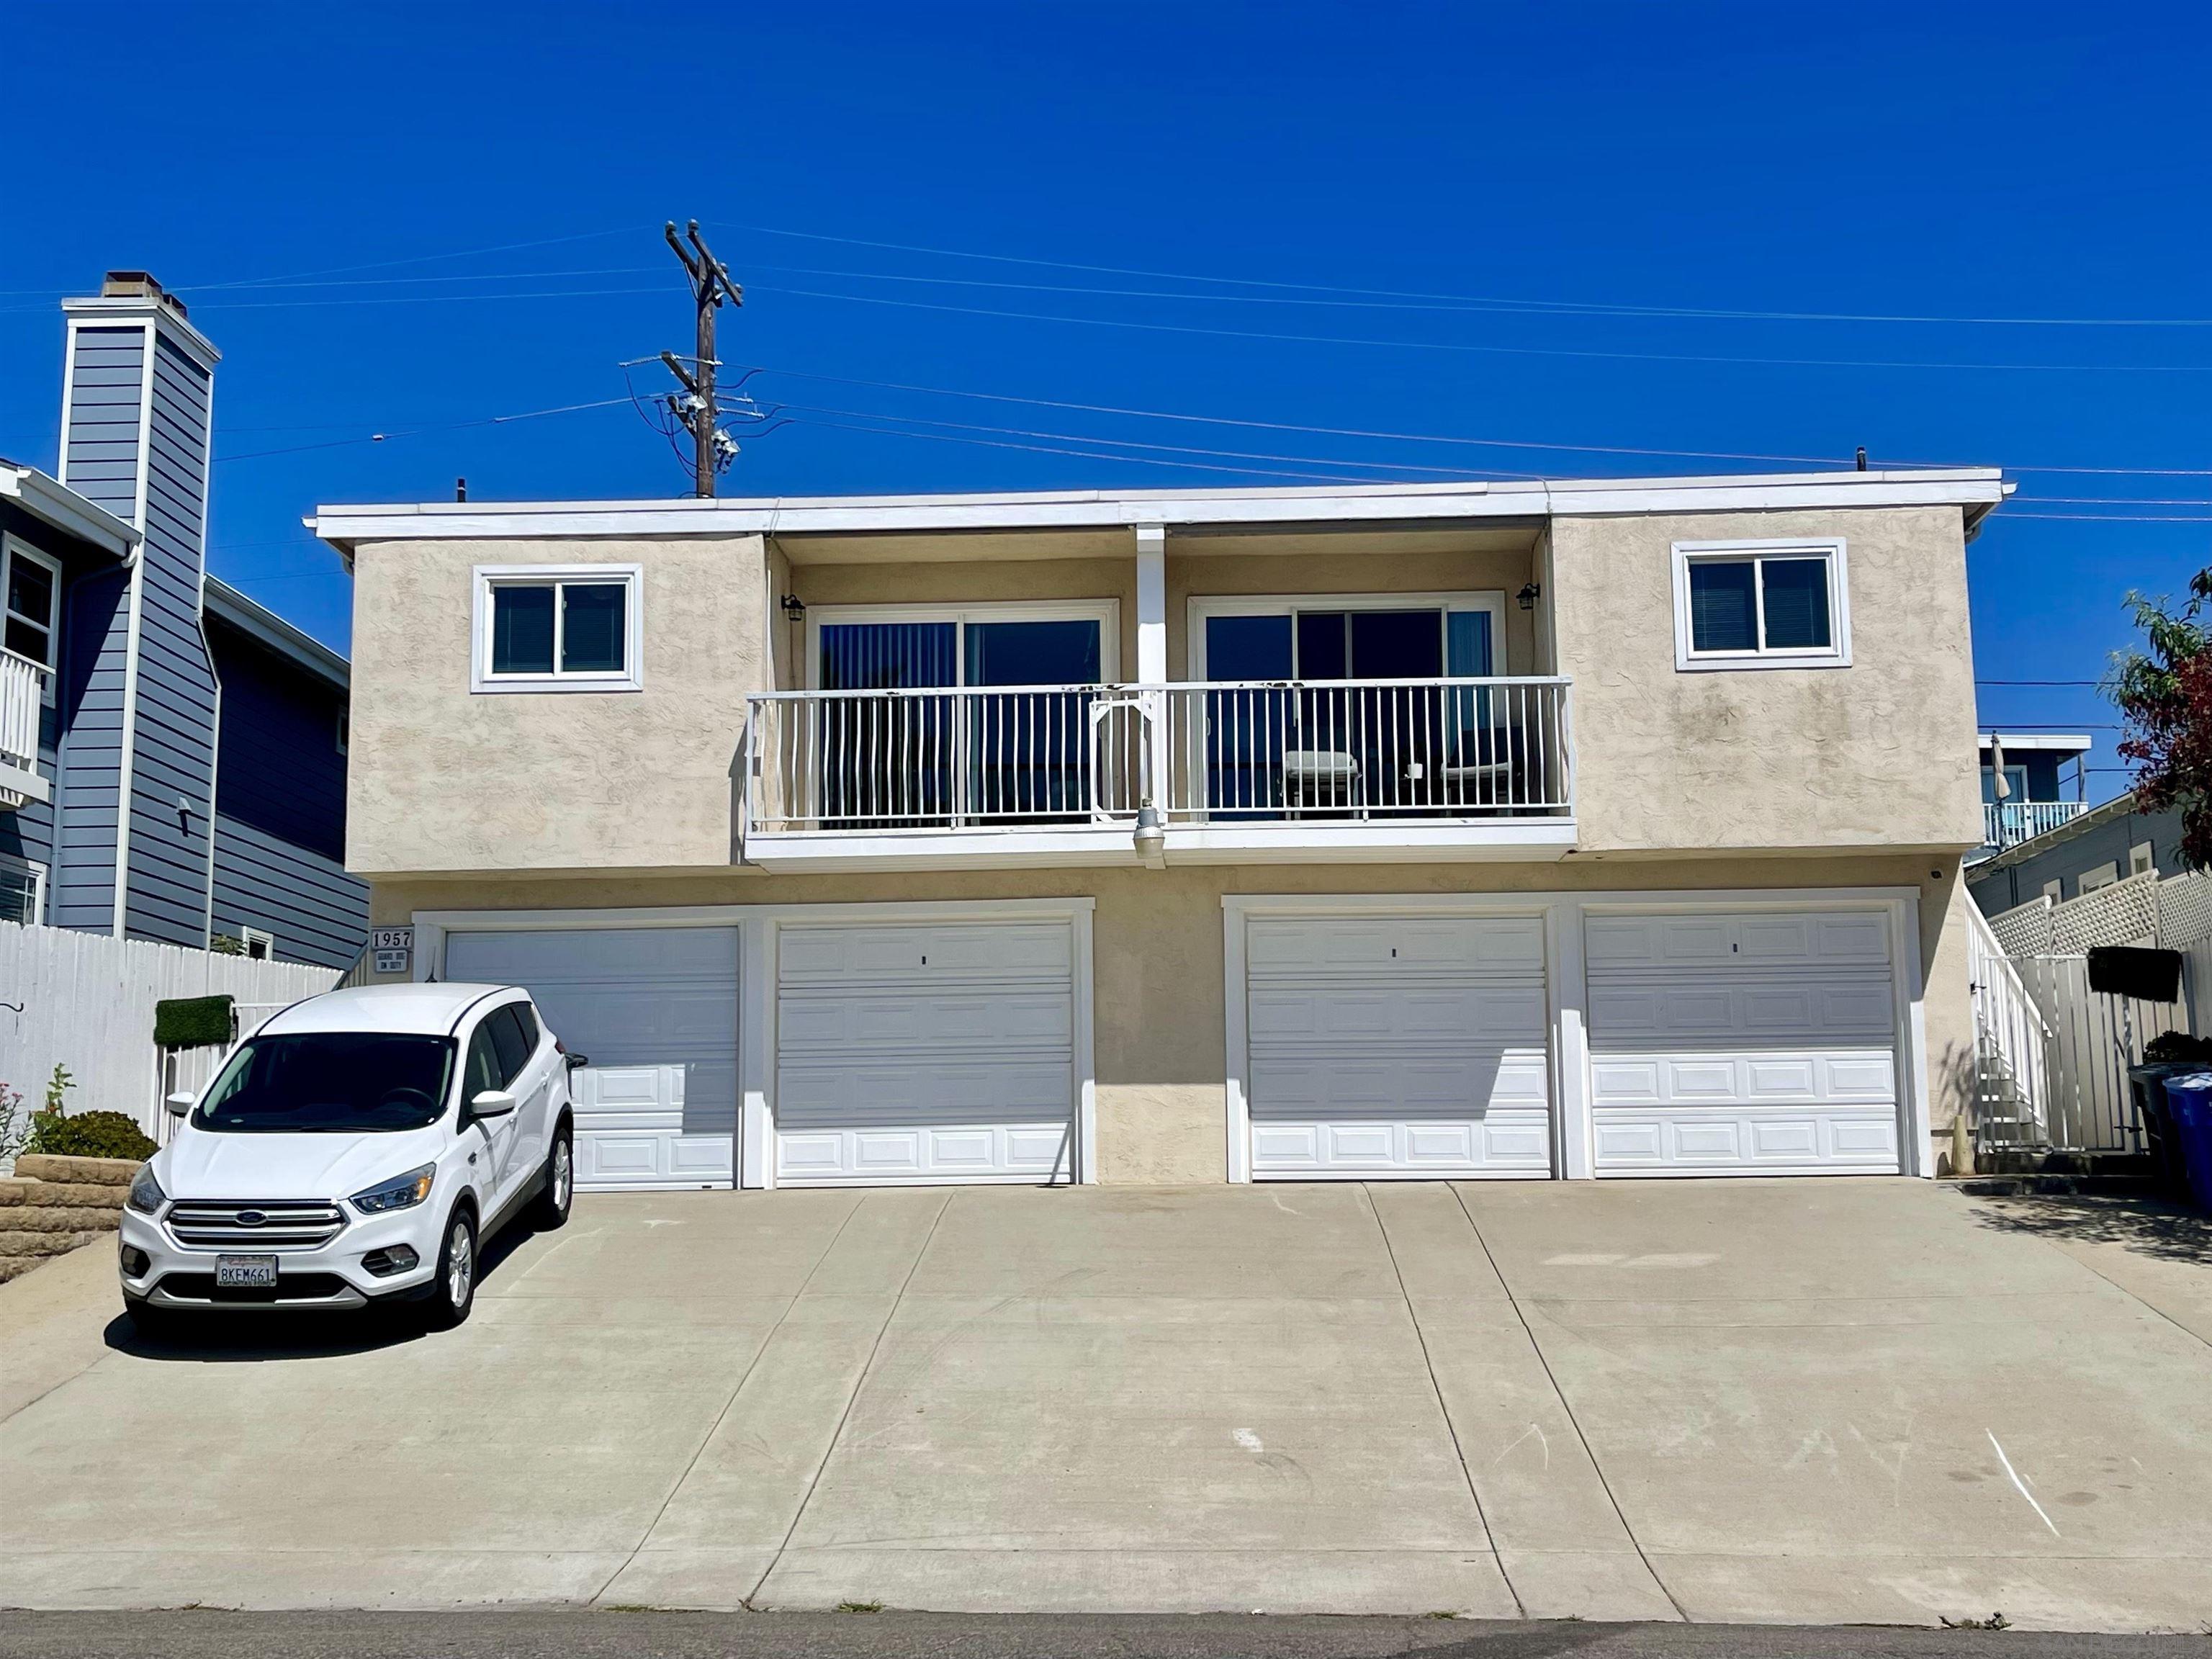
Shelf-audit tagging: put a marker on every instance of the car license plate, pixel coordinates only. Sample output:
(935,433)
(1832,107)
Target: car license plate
(246,1272)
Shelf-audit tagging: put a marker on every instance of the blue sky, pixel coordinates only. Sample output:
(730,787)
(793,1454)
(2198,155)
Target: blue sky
(1964,161)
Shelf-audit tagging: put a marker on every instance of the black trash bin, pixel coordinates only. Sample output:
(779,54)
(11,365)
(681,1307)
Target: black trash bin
(2161,1135)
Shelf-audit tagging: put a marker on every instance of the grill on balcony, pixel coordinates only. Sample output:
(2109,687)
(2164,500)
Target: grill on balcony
(1247,754)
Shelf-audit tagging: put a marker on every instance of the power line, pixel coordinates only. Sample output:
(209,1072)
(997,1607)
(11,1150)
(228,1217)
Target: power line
(1491,300)
(1511,351)
(2111,518)
(414,432)
(713,449)
(1132,443)
(1079,455)
(1407,437)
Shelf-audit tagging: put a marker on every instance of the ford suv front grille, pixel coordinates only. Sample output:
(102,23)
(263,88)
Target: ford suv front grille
(254,1224)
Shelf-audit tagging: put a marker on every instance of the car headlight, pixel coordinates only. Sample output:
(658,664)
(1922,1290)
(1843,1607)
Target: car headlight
(400,1193)
(145,1195)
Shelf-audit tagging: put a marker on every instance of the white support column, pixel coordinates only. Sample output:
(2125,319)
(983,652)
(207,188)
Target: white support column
(1152,649)
(755,1021)
(1563,923)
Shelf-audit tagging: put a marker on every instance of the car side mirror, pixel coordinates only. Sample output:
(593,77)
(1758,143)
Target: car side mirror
(492,1102)
(179,1104)
(577,1062)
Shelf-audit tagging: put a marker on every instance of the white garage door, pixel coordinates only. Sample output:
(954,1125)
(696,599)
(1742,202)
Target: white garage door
(655,1010)
(913,1051)
(1397,1045)
(1742,1042)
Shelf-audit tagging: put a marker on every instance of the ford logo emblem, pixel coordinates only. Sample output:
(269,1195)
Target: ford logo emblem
(250,1217)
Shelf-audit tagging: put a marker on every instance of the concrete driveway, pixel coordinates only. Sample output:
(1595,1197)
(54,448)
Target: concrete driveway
(1857,1400)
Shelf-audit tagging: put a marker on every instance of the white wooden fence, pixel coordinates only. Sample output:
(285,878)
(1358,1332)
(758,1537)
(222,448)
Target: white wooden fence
(86,1001)
(2053,1076)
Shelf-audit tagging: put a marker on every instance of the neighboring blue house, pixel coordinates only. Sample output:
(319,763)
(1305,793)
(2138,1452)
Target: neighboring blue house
(2039,795)
(130,676)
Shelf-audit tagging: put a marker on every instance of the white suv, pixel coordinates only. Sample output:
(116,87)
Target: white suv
(356,1149)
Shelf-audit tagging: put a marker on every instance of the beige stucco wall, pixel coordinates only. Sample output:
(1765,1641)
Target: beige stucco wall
(1157,957)
(441,778)
(1878,754)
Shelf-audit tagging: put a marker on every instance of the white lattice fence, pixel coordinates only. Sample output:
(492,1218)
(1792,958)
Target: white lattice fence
(2024,930)
(2125,913)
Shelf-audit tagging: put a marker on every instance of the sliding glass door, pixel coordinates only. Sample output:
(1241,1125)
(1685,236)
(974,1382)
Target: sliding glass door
(894,756)
(1337,743)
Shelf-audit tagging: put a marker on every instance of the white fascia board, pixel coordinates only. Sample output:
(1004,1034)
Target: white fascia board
(57,505)
(1357,843)
(2066,741)
(345,526)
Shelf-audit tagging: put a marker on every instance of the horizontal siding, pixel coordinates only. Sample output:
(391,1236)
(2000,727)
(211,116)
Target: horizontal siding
(316,912)
(108,372)
(279,768)
(172,758)
(94,645)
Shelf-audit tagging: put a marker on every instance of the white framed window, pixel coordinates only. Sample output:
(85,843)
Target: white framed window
(2103,875)
(1335,636)
(1783,604)
(31,608)
(259,944)
(2140,860)
(22,890)
(558,628)
(342,732)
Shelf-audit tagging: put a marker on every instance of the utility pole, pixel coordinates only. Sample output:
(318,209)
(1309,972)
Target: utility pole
(710,286)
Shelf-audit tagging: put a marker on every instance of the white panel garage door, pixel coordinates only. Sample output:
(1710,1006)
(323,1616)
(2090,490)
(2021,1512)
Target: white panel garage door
(1742,1042)
(1397,1045)
(911,1051)
(655,1010)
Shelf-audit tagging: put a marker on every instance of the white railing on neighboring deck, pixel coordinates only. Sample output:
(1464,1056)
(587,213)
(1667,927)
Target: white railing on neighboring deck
(2009,822)
(22,695)
(2012,1044)
(1243,753)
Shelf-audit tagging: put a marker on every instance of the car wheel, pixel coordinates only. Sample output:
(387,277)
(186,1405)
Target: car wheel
(453,1293)
(552,1206)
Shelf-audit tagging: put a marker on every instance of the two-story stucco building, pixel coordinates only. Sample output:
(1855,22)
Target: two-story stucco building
(1590,828)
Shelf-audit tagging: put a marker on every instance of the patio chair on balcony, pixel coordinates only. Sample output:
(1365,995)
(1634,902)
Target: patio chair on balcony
(1321,780)
(1481,770)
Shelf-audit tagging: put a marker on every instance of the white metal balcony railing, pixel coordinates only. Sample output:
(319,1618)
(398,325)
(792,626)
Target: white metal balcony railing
(1247,753)
(22,695)
(2009,822)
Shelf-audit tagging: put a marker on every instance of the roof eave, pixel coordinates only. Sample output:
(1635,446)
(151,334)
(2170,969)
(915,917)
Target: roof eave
(55,503)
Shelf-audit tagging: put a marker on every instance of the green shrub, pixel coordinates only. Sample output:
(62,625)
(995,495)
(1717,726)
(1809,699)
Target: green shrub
(89,1135)
(2178,1046)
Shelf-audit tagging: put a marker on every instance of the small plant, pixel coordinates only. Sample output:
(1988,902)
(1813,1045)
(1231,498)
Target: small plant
(14,1124)
(1995,1621)
(57,1086)
(89,1135)
(227,944)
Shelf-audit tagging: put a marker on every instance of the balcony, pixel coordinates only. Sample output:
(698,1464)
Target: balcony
(2009,822)
(1223,772)
(22,697)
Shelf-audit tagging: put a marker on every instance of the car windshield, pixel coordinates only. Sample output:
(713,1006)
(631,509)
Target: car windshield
(329,1082)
